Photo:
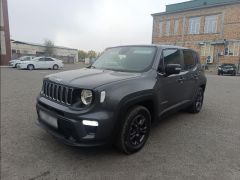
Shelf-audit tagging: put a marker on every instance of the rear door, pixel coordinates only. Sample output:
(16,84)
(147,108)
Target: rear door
(190,68)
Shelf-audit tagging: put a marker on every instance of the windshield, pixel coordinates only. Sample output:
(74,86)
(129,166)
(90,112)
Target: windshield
(129,59)
(228,65)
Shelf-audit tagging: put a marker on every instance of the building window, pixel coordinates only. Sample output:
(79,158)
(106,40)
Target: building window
(167,28)
(232,49)
(207,50)
(194,25)
(176,24)
(160,27)
(211,24)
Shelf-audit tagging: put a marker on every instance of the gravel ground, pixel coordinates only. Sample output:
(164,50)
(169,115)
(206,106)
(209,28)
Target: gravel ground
(183,146)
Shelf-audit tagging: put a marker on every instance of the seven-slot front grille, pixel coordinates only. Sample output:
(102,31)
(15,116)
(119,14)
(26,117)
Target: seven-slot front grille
(57,92)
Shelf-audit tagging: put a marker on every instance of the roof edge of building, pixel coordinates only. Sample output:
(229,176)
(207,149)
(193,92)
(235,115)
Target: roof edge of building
(35,44)
(196,8)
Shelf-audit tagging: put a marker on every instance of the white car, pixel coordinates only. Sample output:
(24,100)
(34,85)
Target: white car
(41,63)
(15,62)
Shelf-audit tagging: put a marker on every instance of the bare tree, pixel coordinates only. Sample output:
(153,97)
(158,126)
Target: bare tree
(49,47)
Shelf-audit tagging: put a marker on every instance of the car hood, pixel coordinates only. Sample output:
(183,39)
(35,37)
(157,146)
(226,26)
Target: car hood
(90,78)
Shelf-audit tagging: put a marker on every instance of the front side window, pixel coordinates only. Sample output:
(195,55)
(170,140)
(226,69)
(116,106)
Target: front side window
(171,56)
(167,28)
(194,25)
(126,59)
(188,59)
(210,24)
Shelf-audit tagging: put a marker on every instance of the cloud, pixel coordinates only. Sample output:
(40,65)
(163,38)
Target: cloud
(92,24)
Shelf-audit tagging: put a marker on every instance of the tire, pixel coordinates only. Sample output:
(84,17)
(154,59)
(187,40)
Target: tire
(234,74)
(55,67)
(30,67)
(198,102)
(16,65)
(135,130)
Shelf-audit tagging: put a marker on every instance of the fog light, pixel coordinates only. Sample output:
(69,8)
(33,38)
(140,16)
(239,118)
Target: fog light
(90,123)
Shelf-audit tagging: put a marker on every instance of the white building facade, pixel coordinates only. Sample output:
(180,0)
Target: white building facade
(19,48)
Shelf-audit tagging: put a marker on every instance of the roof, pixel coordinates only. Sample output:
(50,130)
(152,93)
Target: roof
(151,45)
(36,44)
(195,4)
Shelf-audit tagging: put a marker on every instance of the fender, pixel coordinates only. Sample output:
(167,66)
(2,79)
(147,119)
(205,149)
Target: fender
(129,101)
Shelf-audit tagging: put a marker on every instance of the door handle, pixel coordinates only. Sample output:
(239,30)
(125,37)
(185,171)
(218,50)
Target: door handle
(181,79)
(195,76)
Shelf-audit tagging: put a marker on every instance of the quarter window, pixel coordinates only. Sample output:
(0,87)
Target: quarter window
(189,61)
(194,25)
(210,24)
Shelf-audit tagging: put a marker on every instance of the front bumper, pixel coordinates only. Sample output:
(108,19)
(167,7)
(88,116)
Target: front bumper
(227,71)
(71,130)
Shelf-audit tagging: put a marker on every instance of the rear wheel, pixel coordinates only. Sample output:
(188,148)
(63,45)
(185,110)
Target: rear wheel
(30,67)
(55,67)
(198,102)
(134,130)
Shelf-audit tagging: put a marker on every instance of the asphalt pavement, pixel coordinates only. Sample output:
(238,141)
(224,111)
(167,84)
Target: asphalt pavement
(183,146)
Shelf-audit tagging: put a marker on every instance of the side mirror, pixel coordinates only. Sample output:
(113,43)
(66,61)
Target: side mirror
(173,69)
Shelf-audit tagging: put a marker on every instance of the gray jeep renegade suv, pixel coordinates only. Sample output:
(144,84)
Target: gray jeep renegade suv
(118,97)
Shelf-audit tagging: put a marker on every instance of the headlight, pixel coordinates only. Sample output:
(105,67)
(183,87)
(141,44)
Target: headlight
(86,97)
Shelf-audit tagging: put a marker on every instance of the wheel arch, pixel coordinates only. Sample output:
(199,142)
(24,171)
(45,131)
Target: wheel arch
(127,103)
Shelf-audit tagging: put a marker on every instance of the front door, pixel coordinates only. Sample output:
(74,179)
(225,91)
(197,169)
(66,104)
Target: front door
(40,63)
(170,88)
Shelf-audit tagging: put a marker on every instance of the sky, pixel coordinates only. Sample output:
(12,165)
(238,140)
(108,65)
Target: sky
(84,24)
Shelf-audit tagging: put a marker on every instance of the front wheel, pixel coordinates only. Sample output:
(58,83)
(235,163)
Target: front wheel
(198,102)
(134,130)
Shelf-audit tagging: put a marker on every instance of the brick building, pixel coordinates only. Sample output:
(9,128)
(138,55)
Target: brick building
(211,27)
(5,50)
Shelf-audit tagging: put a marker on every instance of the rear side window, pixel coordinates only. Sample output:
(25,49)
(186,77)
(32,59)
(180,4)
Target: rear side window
(42,59)
(189,60)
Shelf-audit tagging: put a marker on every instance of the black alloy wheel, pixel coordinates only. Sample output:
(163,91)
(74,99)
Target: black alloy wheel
(199,100)
(135,130)
(196,105)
